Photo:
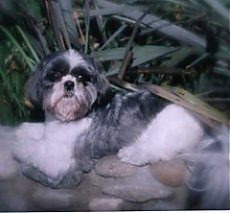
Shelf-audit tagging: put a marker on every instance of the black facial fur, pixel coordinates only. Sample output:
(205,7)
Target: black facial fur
(34,86)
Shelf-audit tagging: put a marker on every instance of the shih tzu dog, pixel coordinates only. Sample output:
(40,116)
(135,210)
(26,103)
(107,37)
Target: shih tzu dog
(86,119)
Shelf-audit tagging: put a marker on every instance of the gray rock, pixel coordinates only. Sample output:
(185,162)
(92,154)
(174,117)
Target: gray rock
(50,199)
(15,194)
(13,202)
(111,166)
(177,202)
(137,193)
(106,204)
(138,188)
(160,205)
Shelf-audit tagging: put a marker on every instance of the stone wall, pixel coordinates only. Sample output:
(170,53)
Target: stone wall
(112,185)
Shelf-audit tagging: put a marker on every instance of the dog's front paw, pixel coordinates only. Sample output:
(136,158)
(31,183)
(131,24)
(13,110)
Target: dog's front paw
(132,155)
(69,179)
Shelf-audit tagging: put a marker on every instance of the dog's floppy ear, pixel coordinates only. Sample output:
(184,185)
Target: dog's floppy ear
(33,88)
(102,84)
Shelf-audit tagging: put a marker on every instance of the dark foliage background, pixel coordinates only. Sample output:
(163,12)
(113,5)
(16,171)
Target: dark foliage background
(179,47)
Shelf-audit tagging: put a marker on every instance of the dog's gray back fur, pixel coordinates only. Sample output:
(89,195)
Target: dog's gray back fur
(118,124)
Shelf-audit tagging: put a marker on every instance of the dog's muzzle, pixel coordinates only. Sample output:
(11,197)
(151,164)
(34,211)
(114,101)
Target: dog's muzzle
(69,88)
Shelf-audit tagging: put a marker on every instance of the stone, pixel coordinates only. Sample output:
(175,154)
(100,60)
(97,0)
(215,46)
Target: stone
(13,202)
(52,199)
(139,187)
(136,193)
(111,166)
(85,192)
(106,204)
(176,202)
(160,205)
(171,173)
(14,195)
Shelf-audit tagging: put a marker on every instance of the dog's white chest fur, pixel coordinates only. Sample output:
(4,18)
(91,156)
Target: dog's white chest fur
(49,146)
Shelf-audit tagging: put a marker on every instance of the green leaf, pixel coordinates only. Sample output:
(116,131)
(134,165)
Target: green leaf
(163,26)
(141,54)
(219,9)
(113,37)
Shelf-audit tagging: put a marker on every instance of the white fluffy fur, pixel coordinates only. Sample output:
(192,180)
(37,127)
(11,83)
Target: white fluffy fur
(74,58)
(47,149)
(172,132)
(68,78)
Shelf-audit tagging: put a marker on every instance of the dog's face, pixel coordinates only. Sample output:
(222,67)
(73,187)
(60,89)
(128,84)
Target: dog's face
(66,84)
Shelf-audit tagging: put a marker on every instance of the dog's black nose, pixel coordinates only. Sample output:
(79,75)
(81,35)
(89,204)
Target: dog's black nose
(69,85)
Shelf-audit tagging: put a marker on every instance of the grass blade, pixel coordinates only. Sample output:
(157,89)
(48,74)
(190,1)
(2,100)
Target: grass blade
(17,45)
(113,37)
(34,54)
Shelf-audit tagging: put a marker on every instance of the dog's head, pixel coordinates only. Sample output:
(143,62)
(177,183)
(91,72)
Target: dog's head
(66,85)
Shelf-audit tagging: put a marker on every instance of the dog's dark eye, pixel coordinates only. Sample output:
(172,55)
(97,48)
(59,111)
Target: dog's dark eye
(82,78)
(54,76)
(81,74)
